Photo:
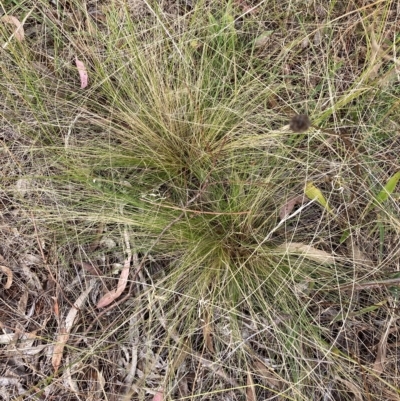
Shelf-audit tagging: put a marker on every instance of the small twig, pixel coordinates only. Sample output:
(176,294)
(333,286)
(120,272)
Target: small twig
(370,284)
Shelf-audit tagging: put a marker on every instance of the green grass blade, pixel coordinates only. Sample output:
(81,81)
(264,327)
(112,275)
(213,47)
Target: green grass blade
(388,189)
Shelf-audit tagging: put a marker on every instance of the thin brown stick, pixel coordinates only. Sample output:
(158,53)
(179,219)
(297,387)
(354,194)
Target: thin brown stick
(370,284)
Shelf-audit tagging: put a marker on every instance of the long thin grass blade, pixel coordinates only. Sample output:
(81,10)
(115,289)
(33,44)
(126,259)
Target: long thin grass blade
(388,189)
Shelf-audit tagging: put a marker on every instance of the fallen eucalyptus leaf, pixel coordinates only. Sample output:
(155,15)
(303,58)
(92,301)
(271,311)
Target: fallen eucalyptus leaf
(19,30)
(82,73)
(287,208)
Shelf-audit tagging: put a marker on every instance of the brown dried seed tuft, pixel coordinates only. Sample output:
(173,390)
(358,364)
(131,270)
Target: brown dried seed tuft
(300,123)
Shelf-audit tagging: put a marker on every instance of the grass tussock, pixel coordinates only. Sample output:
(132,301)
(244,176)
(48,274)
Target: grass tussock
(263,262)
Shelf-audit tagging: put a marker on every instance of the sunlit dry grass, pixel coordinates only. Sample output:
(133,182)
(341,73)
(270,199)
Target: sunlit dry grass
(262,261)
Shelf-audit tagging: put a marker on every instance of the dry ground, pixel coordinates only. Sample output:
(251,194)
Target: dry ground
(335,61)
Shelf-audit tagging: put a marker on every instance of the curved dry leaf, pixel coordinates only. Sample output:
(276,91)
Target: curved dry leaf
(159,396)
(66,327)
(9,274)
(62,339)
(123,279)
(308,252)
(287,208)
(19,30)
(82,73)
